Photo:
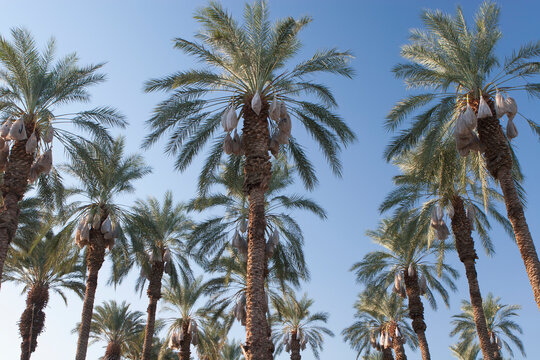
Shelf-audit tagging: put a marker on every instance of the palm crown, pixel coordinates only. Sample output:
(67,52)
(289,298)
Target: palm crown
(456,63)
(405,247)
(501,326)
(245,60)
(211,236)
(295,320)
(375,315)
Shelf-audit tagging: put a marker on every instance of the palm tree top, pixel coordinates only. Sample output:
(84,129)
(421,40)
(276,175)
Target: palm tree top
(500,324)
(453,63)
(242,60)
(293,316)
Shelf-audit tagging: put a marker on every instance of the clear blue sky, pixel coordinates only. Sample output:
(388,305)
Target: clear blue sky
(134,38)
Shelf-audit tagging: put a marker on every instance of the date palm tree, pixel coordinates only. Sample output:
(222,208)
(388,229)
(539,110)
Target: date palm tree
(407,261)
(157,232)
(437,179)
(245,69)
(117,326)
(103,173)
(456,66)
(34,88)
(376,315)
(231,351)
(184,300)
(213,234)
(298,326)
(45,263)
(501,326)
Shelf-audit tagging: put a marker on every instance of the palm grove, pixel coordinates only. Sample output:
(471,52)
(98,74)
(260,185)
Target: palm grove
(238,108)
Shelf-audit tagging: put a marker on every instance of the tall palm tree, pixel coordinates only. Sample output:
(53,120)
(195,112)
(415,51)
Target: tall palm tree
(45,263)
(246,70)
(439,179)
(456,66)
(117,326)
(411,265)
(377,315)
(103,173)
(186,326)
(157,231)
(298,326)
(159,350)
(501,326)
(213,234)
(34,88)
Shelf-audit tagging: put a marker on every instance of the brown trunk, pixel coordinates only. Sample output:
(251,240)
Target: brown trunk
(397,343)
(257,172)
(416,312)
(185,351)
(13,189)
(499,163)
(94,258)
(113,352)
(33,319)
(154,294)
(295,347)
(387,354)
(462,228)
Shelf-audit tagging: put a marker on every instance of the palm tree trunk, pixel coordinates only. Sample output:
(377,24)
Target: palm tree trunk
(416,312)
(185,344)
(257,172)
(13,190)
(387,354)
(94,259)
(499,163)
(461,228)
(154,294)
(295,347)
(397,343)
(33,319)
(113,352)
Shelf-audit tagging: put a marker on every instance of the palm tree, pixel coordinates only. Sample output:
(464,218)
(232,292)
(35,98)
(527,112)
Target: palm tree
(298,326)
(378,315)
(407,263)
(245,70)
(34,88)
(212,235)
(188,322)
(501,326)
(156,231)
(439,179)
(457,67)
(159,350)
(103,173)
(47,262)
(117,326)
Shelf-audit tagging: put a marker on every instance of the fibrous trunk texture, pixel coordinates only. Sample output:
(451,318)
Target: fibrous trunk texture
(94,259)
(387,354)
(185,351)
(462,228)
(295,347)
(397,343)
(416,313)
(154,294)
(13,189)
(499,163)
(113,352)
(33,319)
(257,172)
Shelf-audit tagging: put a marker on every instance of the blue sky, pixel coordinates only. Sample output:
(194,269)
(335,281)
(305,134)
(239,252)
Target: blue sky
(134,38)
